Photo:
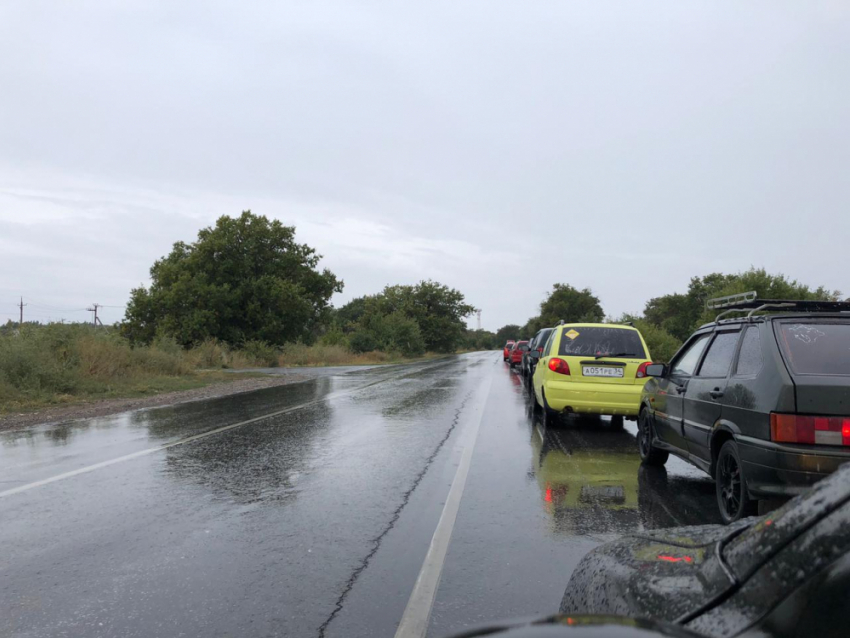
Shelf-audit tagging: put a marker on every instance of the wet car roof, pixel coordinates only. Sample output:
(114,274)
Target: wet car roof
(733,321)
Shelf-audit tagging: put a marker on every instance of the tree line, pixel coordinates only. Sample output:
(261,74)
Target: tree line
(666,321)
(247,281)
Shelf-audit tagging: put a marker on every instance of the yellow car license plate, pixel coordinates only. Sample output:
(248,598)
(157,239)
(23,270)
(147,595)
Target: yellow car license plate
(602,371)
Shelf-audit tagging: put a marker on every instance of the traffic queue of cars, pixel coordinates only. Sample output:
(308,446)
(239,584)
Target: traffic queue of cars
(761,402)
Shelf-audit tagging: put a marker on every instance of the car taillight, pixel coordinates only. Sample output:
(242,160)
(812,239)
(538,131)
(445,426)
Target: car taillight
(540,350)
(641,371)
(799,428)
(559,365)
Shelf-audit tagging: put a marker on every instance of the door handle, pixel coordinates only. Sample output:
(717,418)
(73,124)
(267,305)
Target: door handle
(716,393)
(681,388)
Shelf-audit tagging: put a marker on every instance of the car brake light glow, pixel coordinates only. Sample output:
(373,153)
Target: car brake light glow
(675,559)
(641,371)
(559,365)
(820,430)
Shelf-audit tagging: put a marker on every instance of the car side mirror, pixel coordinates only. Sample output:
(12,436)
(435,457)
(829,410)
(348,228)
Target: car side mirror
(656,370)
(533,354)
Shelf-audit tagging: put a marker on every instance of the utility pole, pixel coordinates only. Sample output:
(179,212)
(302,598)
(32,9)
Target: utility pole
(21,306)
(93,309)
(478,313)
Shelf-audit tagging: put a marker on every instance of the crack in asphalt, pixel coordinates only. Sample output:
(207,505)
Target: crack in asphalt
(376,542)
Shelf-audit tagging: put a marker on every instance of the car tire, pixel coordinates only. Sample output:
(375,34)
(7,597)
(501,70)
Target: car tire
(649,454)
(550,417)
(733,499)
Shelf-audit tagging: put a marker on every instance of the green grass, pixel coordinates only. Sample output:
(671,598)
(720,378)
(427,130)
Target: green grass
(56,364)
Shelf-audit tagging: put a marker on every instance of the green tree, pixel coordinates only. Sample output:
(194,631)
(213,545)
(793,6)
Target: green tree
(395,332)
(346,317)
(437,309)
(680,314)
(481,340)
(244,279)
(568,304)
(662,345)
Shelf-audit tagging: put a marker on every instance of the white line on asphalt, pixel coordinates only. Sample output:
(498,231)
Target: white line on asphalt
(414,621)
(188,439)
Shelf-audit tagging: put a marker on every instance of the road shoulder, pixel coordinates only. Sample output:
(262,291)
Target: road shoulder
(105,407)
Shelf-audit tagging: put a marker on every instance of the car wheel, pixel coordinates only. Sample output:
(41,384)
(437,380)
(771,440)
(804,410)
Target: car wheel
(550,417)
(732,496)
(649,454)
(534,403)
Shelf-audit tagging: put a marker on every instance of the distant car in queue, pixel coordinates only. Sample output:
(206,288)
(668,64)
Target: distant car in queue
(761,403)
(784,575)
(591,368)
(537,342)
(506,352)
(519,348)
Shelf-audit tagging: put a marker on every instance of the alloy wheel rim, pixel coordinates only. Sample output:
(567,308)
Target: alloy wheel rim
(730,485)
(645,436)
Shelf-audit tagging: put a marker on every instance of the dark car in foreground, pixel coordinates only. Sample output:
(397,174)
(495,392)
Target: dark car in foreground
(579,627)
(529,363)
(784,575)
(761,403)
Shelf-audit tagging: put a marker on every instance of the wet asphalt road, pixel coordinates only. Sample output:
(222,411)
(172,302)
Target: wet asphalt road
(315,521)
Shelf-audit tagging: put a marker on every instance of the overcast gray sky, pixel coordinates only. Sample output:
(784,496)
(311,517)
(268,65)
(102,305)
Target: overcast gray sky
(497,147)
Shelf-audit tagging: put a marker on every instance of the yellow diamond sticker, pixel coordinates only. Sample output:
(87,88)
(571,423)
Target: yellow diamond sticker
(572,334)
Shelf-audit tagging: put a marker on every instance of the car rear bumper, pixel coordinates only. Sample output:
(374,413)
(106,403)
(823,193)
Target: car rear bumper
(594,398)
(776,470)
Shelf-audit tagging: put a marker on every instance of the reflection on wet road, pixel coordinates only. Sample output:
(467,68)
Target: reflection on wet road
(315,521)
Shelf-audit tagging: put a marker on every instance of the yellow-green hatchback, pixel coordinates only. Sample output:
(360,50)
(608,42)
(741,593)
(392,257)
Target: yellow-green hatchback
(592,368)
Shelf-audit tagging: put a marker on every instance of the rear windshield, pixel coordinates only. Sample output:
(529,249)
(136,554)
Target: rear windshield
(816,347)
(523,346)
(590,342)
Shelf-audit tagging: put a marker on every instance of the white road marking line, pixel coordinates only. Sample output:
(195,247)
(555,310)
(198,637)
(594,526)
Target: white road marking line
(414,621)
(188,439)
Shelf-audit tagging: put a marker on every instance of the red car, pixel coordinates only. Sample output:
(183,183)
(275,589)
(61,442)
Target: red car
(507,352)
(516,352)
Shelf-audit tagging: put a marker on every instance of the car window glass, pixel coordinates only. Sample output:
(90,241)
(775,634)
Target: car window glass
(687,363)
(816,347)
(592,341)
(718,359)
(750,360)
(547,349)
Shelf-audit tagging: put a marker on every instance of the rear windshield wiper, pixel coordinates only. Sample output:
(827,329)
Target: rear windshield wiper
(616,354)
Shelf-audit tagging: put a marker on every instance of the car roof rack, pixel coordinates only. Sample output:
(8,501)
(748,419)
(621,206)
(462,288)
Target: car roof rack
(750,303)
